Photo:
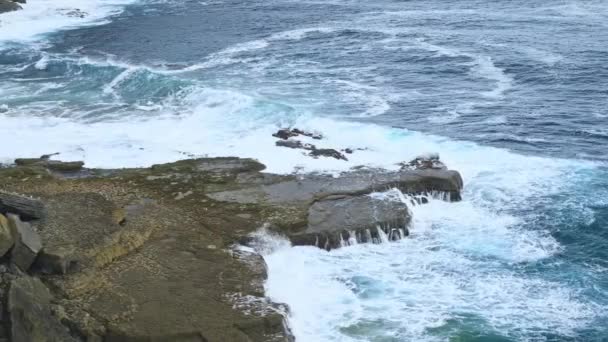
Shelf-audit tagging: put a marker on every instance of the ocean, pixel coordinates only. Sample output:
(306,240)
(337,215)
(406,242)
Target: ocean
(513,94)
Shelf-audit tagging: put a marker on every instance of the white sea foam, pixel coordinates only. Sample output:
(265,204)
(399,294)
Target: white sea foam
(453,273)
(42,63)
(403,290)
(44,16)
(109,88)
(487,69)
(300,33)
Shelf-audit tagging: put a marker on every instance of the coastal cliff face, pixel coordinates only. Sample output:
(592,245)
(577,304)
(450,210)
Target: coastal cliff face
(153,254)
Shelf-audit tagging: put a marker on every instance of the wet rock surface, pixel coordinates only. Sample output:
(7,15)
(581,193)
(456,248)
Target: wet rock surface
(149,254)
(9,6)
(294,132)
(51,165)
(286,134)
(337,220)
(424,162)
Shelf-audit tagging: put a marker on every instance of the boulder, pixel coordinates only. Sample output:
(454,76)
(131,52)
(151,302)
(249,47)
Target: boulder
(6,238)
(26,207)
(296,144)
(339,220)
(30,310)
(424,162)
(27,243)
(289,133)
(327,152)
(285,134)
(8,6)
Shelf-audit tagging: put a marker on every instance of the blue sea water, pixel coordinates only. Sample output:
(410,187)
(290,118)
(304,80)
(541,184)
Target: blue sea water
(514,94)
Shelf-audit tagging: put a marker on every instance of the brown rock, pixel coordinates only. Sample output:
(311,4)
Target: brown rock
(52,165)
(27,243)
(6,238)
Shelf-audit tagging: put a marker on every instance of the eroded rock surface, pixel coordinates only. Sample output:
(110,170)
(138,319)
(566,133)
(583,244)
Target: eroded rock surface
(149,254)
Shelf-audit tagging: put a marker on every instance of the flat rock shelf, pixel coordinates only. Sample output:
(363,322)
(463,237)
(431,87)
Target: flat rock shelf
(151,254)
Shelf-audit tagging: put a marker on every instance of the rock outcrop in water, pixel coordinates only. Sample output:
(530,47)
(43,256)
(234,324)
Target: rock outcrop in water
(150,254)
(285,140)
(9,6)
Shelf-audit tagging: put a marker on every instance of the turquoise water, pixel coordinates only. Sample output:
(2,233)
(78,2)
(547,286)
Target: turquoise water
(512,94)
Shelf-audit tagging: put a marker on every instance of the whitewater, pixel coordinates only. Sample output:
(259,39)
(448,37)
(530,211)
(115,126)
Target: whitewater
(512,95)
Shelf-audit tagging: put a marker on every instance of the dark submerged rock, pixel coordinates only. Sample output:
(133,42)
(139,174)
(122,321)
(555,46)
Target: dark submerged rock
(285,134)
(327,152)
(290,133)
(295,144)
(9,6)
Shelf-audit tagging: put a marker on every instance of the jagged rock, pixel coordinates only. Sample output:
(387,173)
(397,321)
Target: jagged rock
(296,144)
(307,134)
(314,151)
(27,243)
(424,162)
(289,133)
(327,152)
(26,207)
(29,307)
(6,238)
(8,6)
(285,134)
(290,144)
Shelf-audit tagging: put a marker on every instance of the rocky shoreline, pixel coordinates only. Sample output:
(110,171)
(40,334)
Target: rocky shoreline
(152,254)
